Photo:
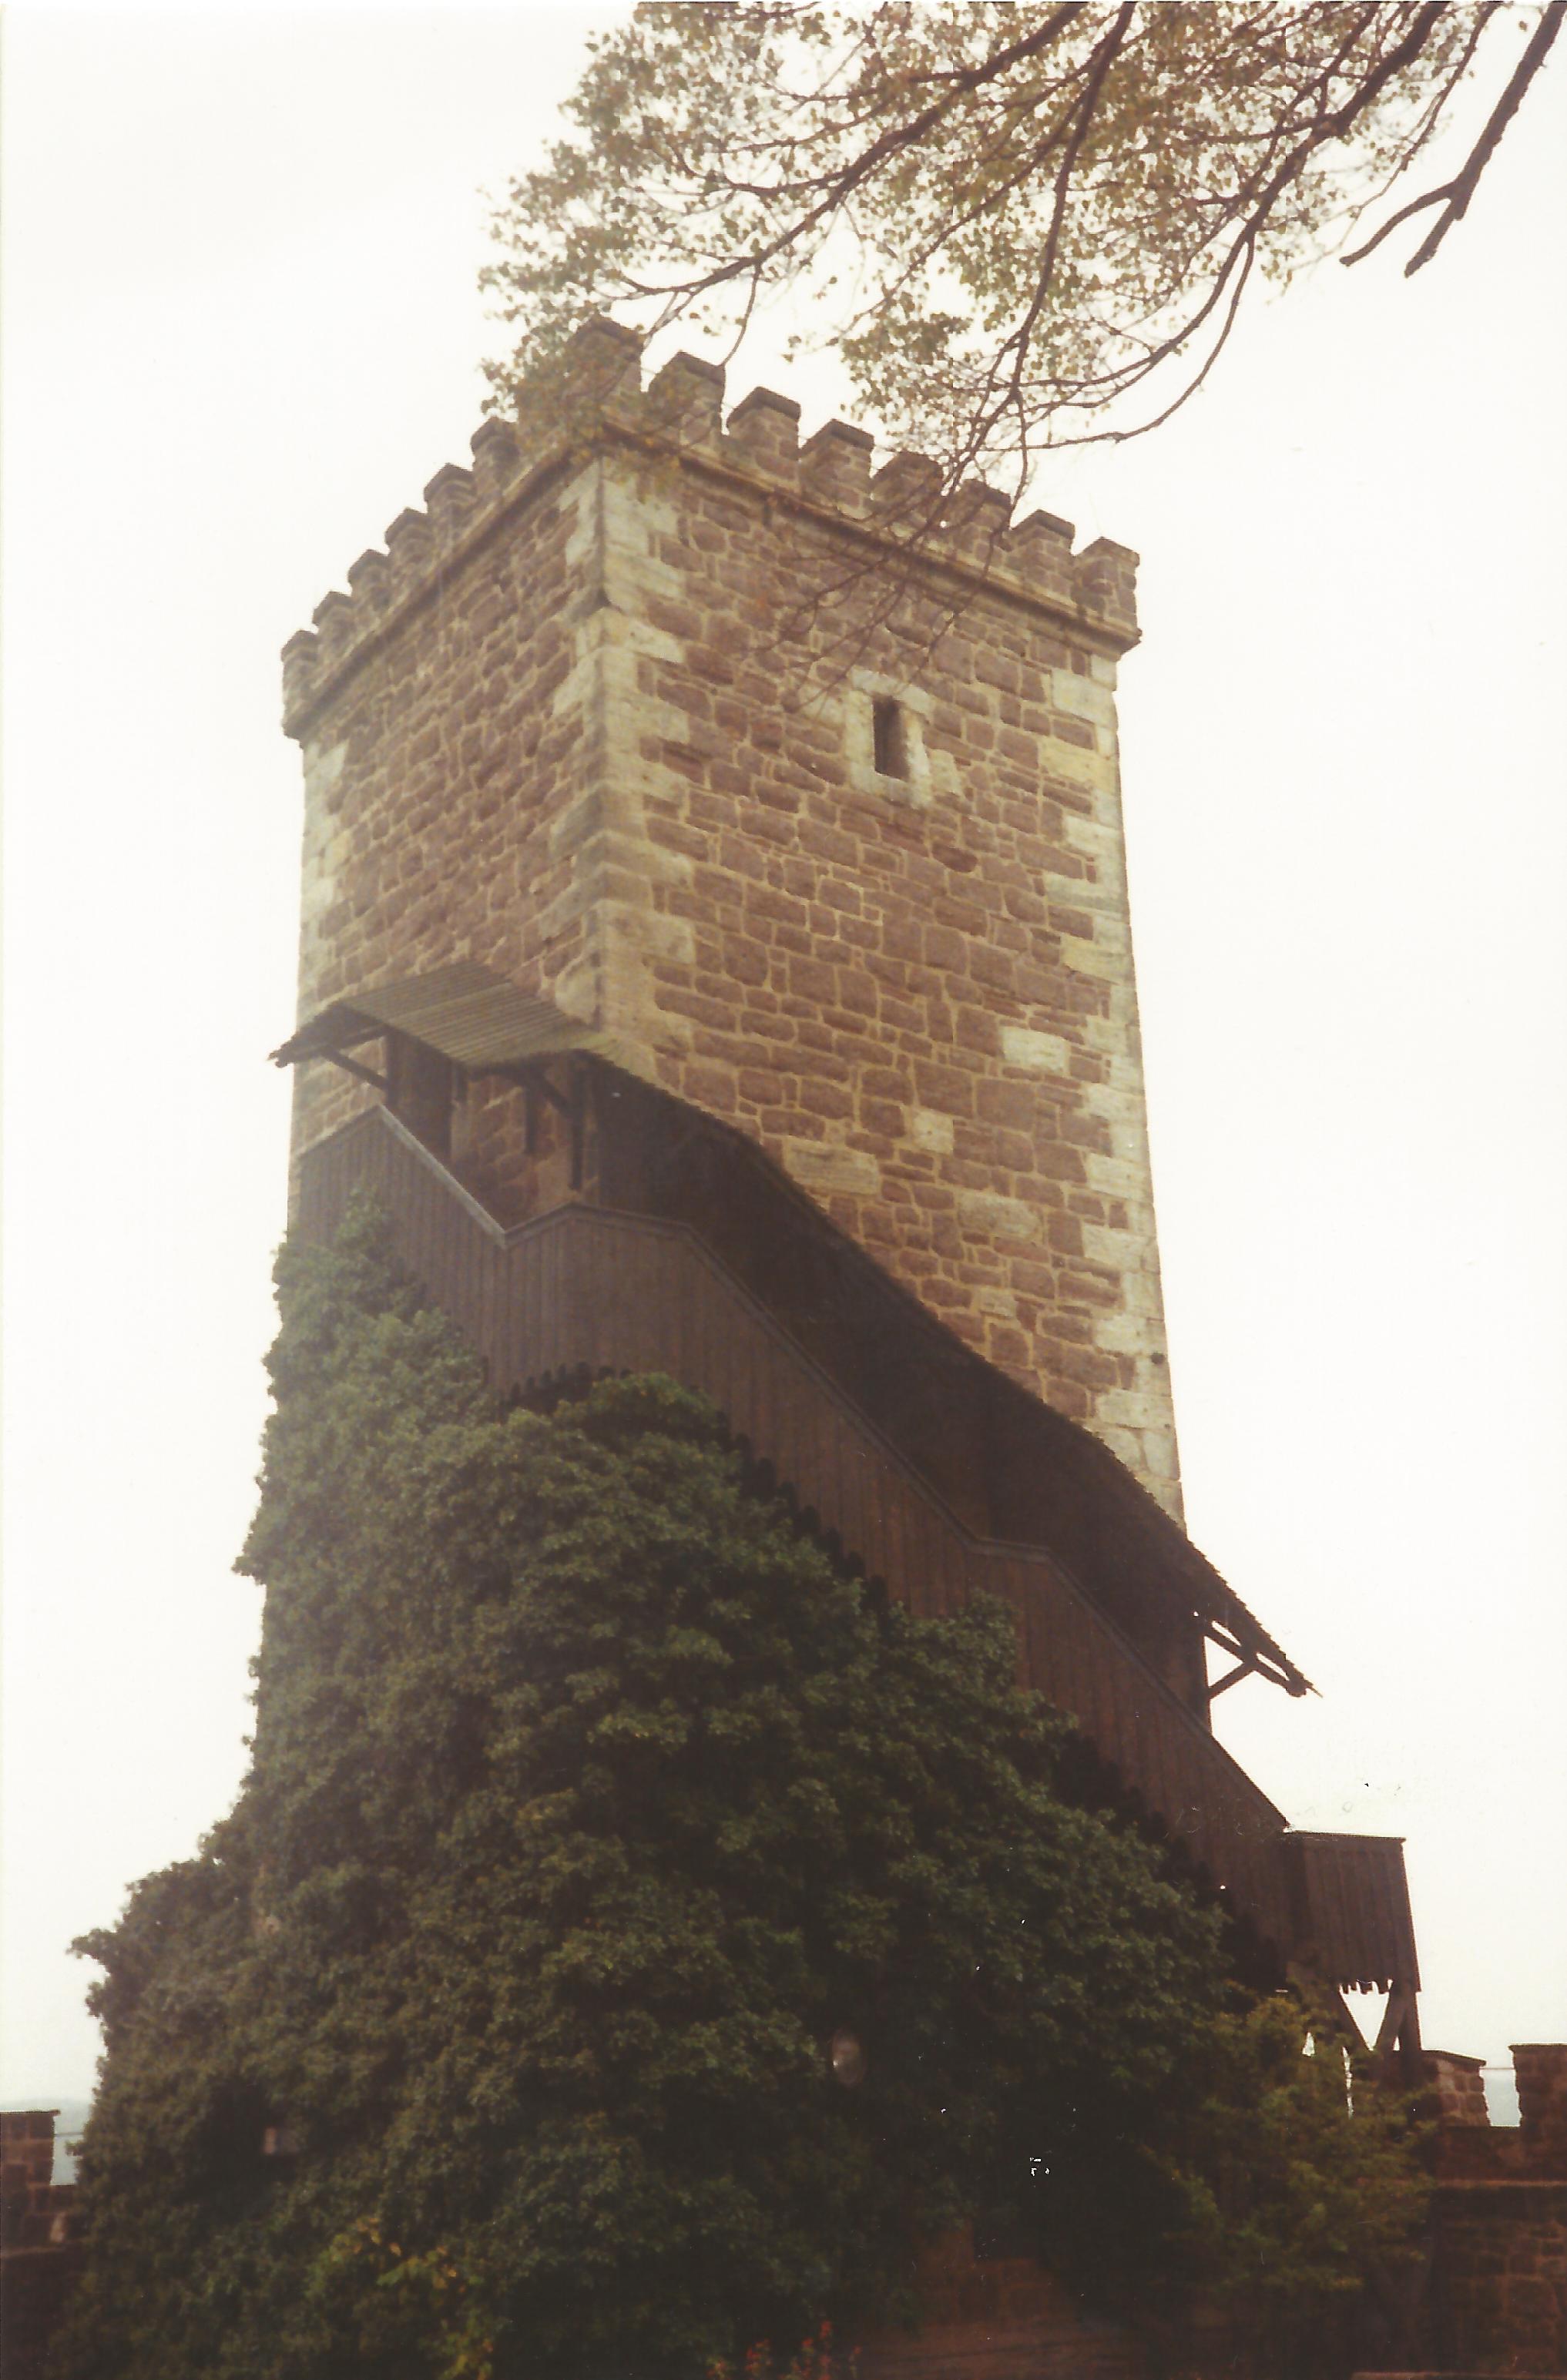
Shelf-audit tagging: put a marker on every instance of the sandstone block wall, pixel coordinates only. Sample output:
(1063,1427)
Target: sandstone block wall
(41,2249)
(1501,2251)
(668,721)
(1541,2071)
(1498,2295)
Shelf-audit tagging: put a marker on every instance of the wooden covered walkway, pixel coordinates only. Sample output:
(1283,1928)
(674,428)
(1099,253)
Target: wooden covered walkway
(590,1288)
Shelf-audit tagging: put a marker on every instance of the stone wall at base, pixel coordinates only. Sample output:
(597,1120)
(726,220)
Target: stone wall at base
(1501,2261)
(39,2251)
(1001,2318)
(1499,2267)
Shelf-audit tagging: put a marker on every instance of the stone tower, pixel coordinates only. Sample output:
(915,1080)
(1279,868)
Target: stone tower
(666,721)
(715,962)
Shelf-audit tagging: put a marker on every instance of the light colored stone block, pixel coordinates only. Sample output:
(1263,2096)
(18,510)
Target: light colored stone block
(1043,1053)
(1127,1444)
(1118,1177)
(655,936)
(825,1170)
(325,764)
(1123,1252)
(1093,958)
(1159,1454)
(996,1216)
(1134,1408)
(1129,1333)
(1083,698)
(927,1128)
(1075,762)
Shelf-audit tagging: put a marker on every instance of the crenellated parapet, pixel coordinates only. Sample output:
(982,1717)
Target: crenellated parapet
(968,538)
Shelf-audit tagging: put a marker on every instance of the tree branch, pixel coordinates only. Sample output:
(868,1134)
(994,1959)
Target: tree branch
(1099,67)
(1454,196)
(890,143)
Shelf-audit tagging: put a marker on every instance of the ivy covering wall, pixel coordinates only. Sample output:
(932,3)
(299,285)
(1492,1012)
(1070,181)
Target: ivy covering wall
(489,2033)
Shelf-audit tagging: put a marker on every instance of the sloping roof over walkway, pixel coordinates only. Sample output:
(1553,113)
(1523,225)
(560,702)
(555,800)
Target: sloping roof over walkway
(464,1012)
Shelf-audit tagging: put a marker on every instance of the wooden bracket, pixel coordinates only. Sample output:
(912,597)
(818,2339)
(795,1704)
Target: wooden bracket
(576,1111)
(1398,2038)
(361,1074)
(1250,1662)
(538,1085)
(572,1104)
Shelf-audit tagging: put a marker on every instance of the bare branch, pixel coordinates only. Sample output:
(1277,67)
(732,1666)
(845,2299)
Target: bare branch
(896,139)
(1099,65)
(1454,196)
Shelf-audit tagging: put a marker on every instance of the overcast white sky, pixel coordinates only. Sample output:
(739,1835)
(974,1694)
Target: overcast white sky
(241,333)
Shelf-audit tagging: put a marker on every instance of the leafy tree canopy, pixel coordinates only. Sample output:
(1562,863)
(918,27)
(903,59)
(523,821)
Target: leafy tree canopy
(1021,225)
(1304,2195)
(589,1802)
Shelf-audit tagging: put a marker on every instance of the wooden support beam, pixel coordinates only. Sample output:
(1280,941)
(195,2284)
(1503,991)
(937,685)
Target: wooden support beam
(571,1103)
(535,1082)
(576,1111)
(1246,1668)
(1393,2016)
(1222,1636)
(1398,2038)
(361,1074)
(1252,1662)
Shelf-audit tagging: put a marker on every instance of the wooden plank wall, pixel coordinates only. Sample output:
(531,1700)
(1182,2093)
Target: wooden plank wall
(586,1286)
(1350,1908)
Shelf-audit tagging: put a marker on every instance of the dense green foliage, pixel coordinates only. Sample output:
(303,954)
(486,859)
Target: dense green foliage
(588,1800)
(1305,2195)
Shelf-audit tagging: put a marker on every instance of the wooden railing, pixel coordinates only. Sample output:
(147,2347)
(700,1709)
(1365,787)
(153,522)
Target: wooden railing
(588,1287)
